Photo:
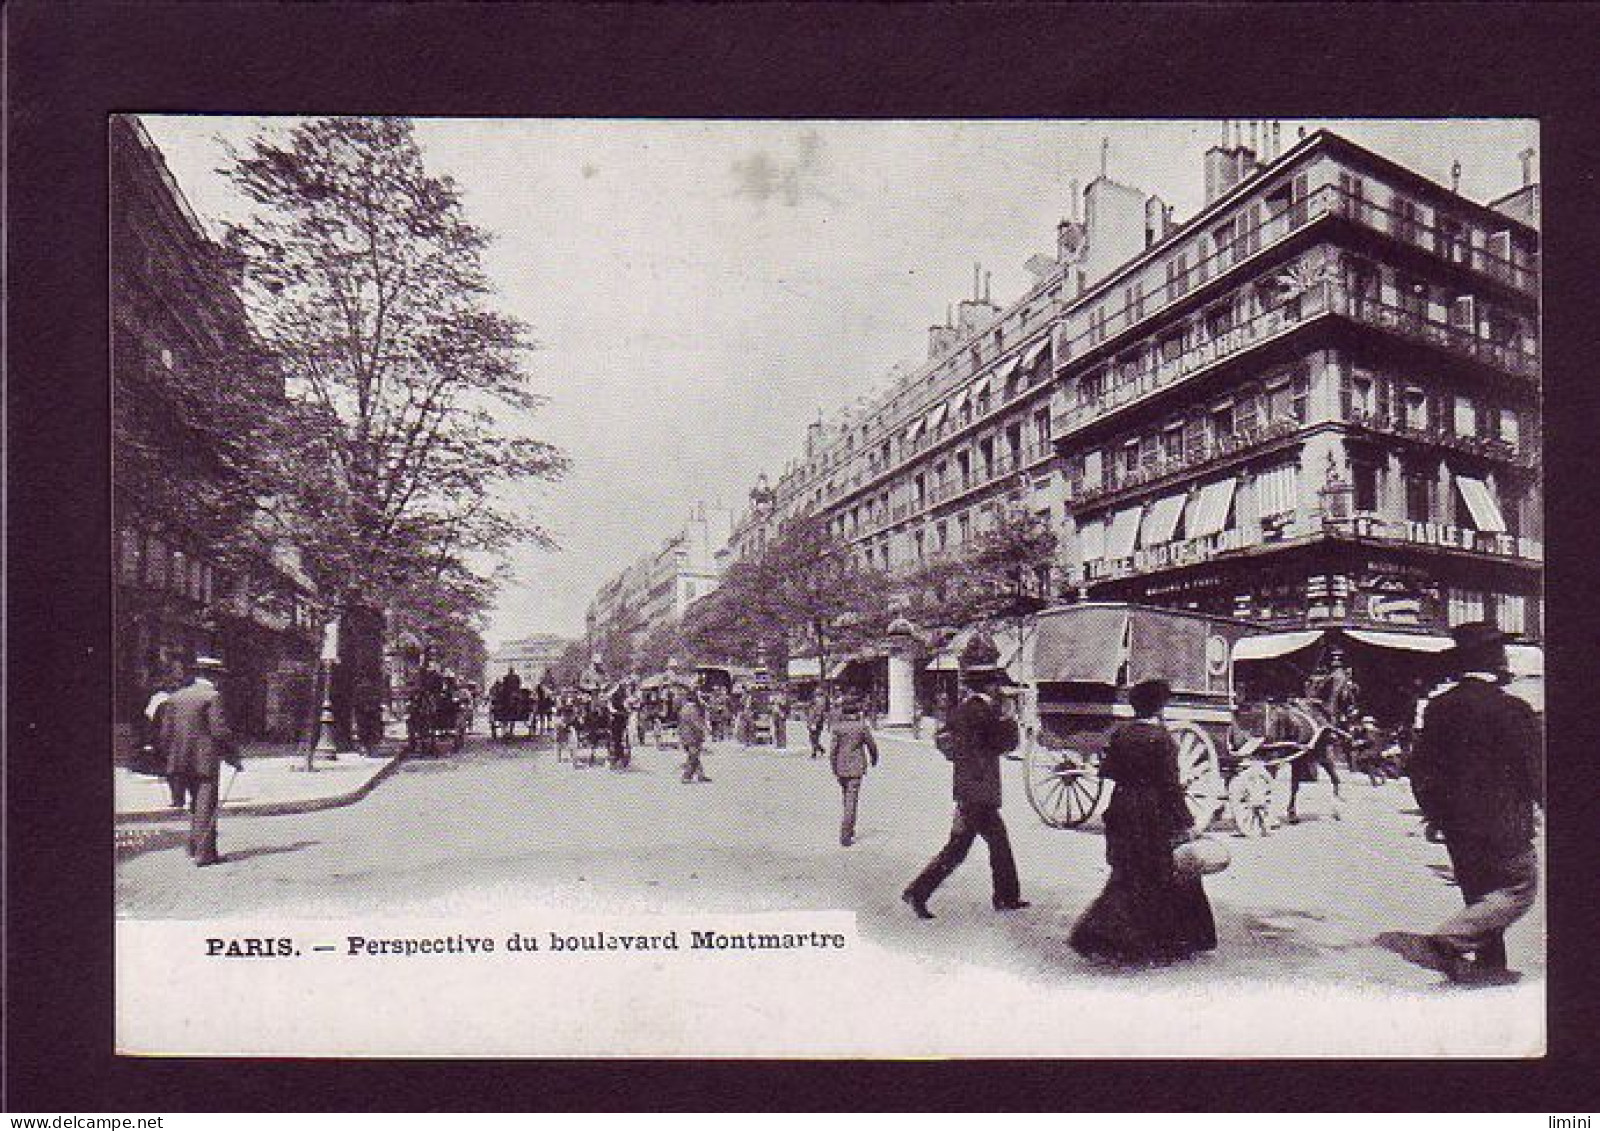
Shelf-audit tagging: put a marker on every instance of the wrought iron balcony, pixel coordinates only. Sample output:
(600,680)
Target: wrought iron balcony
(1195,457)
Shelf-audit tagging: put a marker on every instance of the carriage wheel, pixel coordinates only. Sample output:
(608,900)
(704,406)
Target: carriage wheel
(1198,773)
(1250,801)
(1063,786)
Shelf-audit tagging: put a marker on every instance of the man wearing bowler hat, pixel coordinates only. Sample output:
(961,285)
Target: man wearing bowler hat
(974,738)
(1477,773)
(196,737)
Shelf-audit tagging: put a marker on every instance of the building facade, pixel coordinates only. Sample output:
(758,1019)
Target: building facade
(195,571)
(1317,401)
(657,589)
(529,657)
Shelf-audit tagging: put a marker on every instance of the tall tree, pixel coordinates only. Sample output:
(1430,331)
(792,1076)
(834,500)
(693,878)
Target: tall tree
(1006,572)
(366,279)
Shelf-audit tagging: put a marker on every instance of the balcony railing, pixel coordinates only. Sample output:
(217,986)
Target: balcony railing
(1192,551)
(1209,450)
(1326,297)
(1330,200)
(1484,447)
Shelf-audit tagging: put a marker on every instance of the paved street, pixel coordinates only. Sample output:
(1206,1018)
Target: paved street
(510,826)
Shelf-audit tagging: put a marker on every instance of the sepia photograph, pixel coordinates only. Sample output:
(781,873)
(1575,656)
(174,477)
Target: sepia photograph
(603,577)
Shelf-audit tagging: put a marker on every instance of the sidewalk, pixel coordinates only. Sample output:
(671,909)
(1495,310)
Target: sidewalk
(274,781)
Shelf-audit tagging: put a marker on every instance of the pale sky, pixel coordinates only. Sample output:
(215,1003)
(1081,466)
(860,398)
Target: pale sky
(701,288)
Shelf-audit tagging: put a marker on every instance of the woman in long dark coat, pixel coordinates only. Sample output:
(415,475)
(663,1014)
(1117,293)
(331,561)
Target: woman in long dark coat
(1147,912)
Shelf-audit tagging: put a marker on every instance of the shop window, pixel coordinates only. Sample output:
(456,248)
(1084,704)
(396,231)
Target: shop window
(1466,605)
(1511,613)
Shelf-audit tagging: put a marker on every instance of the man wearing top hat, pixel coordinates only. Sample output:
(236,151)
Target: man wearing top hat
(974,738)
(1477,772)
(197,740)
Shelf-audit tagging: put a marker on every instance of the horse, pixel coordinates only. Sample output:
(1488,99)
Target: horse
(1296,723)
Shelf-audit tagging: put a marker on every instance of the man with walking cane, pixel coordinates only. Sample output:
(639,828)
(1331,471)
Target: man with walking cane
(195,734)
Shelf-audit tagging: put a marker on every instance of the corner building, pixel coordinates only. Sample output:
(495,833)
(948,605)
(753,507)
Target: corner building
(1315,403)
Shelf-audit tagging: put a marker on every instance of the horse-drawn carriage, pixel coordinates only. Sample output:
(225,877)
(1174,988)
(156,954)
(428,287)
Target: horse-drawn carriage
(1087,656)
(437,715)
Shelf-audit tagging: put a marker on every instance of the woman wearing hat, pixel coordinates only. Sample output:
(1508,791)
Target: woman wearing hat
(1149,911)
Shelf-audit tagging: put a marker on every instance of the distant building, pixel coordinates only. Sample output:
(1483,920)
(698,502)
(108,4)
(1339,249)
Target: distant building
(529,657)
(659,588)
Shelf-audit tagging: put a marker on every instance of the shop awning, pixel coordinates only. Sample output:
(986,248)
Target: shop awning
(949,657)
(1032,356)
(1002,372)
(981,388)
(1080,645)
(959,403)
(805,667)
(1123,534)
(1399,641)
(1271,645)
(937,415)
(1092,540)
(1485,511)
(1161,520)
(1210,513)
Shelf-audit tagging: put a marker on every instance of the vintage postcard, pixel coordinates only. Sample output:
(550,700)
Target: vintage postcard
(585,587)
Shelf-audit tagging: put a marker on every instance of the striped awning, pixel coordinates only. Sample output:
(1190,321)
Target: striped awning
(1485,511)
(1124,533)
(1161,520)
(1208,513)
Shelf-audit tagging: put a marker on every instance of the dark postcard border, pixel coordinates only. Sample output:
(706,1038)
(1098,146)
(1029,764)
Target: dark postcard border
(72,64)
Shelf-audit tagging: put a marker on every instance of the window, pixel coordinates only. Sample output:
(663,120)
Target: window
(1419,497)
(964,529)
(943,530)
(1172,443)
(1149,451)
(1219,320)
(1171,347)
(1177,276)
(1510,427)
(1404,219)
(1280,404)
(1451,240)
(1041,429)
(1364,476)
(155,563)
(919,487)
(1093,469)
(1222,421)
(1466,605)
(1097,325)
(1277,490)
(1466,417)
(1363,400)
(918,541)
(1130,457)
(1416,409)
(1354,191)
(1511,615)
(1300,397)
(130,555)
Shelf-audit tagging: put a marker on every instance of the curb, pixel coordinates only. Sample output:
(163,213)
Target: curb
(274,808)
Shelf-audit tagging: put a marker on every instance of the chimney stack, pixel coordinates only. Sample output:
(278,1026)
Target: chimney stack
(1455,177)
(988,280)
(1277,140)
(1527,166)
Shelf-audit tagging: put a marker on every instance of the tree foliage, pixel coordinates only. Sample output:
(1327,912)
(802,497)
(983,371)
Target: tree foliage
(1004,572)
(805,593)
(366,279)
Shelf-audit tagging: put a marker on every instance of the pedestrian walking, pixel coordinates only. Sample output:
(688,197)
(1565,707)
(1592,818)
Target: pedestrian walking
(853,748)
(976,737)
(1477,775)
(153,753)
(617,711)
(692,728)
(780,719)
(816,719)
(1149,911)
(197,739)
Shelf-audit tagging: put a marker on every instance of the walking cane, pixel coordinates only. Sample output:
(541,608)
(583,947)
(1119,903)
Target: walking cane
(227,789)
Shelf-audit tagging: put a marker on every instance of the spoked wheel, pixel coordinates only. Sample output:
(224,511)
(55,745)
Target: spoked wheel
(1198,773)
(1063,786)
(1250,801)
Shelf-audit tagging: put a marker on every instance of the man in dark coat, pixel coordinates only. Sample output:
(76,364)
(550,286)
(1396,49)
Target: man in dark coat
(1477,773)
(974,738)
(197,740)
